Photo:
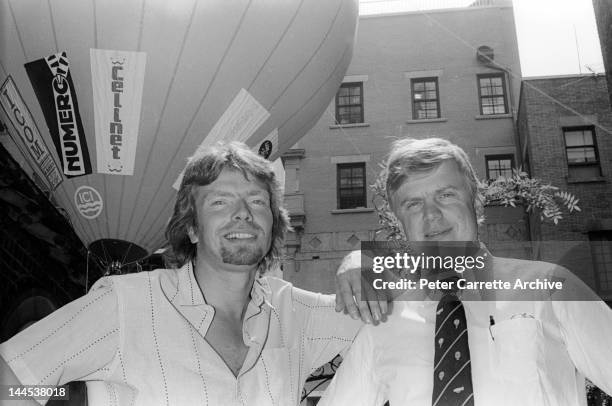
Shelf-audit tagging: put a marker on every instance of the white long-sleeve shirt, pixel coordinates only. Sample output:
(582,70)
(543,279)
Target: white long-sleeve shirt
(537,352)
(138,339)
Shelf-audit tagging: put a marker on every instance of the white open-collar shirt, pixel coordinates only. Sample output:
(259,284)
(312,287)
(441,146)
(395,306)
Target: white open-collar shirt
(138,339)
(537,352)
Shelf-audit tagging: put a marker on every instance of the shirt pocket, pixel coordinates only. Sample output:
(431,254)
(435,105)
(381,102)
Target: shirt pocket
(277,376)
(517,353)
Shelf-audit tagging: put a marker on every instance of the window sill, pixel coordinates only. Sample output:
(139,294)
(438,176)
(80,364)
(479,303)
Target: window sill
(349,211)
(593,179)
(427,120)
(354,125)
(492,116)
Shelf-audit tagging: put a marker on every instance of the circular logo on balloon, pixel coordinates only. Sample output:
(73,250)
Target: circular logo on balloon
(88,201)
(265,149)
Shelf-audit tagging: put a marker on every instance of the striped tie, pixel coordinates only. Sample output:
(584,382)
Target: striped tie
(452,371)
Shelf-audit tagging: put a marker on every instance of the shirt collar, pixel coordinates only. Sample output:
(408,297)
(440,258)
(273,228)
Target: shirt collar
(183,292)
(186,292)
(261,292)
(473,275)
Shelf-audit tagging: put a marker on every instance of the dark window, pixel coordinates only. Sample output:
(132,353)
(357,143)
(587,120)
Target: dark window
(581,151)
(499,165)
(580,146)
(425,98)
(351,185)
(349,103)
(492,93)
(601,249)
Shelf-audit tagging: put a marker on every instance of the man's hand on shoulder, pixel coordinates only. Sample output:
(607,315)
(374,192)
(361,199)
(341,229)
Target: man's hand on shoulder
(372,308)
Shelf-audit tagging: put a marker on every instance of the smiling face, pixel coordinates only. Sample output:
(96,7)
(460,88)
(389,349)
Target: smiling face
(234,220)
(436,205)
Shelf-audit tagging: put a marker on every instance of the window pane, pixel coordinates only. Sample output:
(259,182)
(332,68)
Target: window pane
(575,155)
(499,106)
(496,81)
(578,138)
(497,90)
(425,99)
(492,95)
(349,104)
(351,185)
(581,154)
(573,138)
(580,147)
(350,192)
(499,166)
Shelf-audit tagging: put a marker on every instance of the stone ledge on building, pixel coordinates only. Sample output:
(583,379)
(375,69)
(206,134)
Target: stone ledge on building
(427,120)
(294,153)
(351,211)
(492,116)
(593,179)
(354,125)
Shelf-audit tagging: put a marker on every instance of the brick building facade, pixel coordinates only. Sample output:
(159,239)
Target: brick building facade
(452,73)
(565,127)
(603,17)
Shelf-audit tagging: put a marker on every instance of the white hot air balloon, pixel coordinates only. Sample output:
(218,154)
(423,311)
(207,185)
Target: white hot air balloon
(153,81)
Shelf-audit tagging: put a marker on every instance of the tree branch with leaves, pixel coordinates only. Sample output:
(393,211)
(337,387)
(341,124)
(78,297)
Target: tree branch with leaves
(549,201)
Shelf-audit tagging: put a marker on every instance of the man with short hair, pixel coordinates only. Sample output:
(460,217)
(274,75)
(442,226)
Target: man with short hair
(484,346)
(214,331)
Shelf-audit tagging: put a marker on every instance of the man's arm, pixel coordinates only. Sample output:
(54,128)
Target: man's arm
(586,324)
(355,382)
(326,332)
(587,328)
(373,307)
(73,343)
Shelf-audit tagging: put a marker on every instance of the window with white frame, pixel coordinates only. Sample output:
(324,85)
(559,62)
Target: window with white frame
(492,94)
(349,103)
(425,98)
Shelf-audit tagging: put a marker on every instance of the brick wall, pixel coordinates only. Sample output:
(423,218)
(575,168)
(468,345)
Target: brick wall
(389,51)
(603,17)
(546,106)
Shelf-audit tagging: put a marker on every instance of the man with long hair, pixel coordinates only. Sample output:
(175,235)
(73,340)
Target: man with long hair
(212,331)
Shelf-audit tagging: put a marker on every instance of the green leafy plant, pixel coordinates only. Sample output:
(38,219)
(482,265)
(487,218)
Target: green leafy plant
(548,201)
